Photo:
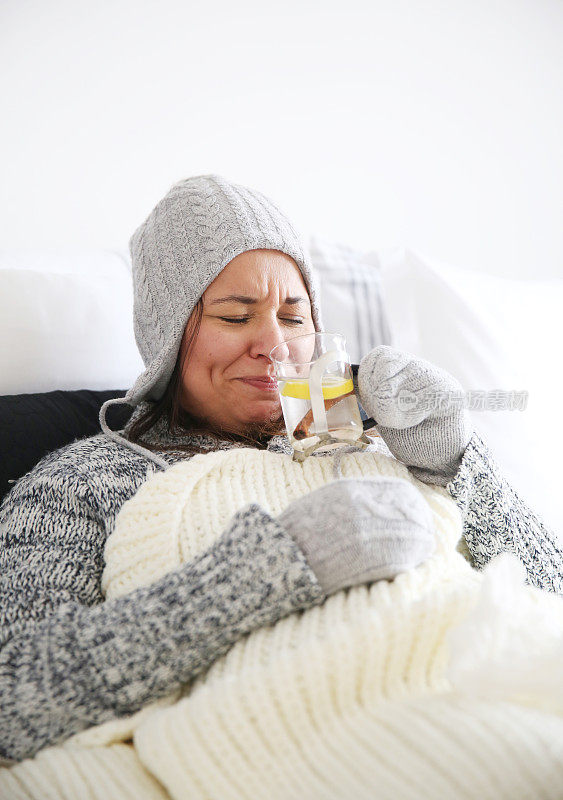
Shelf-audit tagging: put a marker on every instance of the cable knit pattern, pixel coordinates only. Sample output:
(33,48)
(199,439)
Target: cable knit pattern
(53,527)
(342,700)
(179,513)
(194,231)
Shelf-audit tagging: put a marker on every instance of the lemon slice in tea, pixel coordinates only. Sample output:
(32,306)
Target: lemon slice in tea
(331,388)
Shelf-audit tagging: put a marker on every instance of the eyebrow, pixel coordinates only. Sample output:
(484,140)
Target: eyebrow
(249,301)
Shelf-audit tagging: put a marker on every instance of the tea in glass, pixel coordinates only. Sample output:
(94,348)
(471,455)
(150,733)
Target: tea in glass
(317,395)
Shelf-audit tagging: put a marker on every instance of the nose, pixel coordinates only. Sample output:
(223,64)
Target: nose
(267,336)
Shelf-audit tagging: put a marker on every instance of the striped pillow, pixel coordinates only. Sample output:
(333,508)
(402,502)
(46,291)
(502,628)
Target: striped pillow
(351,300)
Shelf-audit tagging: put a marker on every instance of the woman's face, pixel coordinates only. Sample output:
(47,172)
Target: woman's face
(259,300)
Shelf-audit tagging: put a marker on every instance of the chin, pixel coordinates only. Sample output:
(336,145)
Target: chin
(267,423)
(266,411)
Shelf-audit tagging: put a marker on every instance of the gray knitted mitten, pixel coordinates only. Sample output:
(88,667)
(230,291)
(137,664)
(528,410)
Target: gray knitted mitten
(419,411)
(355,531)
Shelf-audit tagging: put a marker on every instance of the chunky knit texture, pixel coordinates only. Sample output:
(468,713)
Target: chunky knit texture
(177,515)
(350,698)
(68,661)
(343,700)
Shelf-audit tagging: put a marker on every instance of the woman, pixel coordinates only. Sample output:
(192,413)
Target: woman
(220,278)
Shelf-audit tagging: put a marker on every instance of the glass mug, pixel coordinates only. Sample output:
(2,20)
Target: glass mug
(317,395)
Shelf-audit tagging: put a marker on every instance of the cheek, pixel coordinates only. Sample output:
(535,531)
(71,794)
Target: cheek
(212,353)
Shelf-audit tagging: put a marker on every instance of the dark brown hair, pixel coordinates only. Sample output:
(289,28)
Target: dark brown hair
(181,422)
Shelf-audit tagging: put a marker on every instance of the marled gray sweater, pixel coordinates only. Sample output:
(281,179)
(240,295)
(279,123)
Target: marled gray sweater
(68,660)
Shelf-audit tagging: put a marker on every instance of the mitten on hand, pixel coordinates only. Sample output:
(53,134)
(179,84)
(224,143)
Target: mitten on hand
(414,405)
(355,531)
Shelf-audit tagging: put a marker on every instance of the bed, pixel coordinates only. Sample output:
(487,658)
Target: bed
(61,364)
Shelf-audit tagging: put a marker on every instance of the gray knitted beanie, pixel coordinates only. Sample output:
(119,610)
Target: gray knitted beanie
(191,235)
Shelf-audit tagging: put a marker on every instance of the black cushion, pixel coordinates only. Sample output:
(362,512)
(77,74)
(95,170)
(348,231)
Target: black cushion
(32,425)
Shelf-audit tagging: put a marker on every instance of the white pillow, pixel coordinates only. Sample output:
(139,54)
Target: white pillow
(66,322)
(351,301)
(66,316)
(490,333)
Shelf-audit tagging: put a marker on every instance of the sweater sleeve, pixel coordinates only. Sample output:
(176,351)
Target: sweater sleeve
(69,661)
(496,519)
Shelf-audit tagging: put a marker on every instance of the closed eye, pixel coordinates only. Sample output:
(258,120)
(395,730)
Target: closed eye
(240,320)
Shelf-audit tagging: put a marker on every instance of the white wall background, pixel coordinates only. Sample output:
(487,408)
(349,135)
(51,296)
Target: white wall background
(436,125)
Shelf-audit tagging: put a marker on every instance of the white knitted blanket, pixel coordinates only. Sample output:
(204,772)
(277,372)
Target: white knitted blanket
(365,696)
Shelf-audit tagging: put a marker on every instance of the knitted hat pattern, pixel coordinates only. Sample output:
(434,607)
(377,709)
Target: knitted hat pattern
(201,224)
(187,240)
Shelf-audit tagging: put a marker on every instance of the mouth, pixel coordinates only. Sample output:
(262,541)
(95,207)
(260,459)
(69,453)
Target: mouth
(265,384)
